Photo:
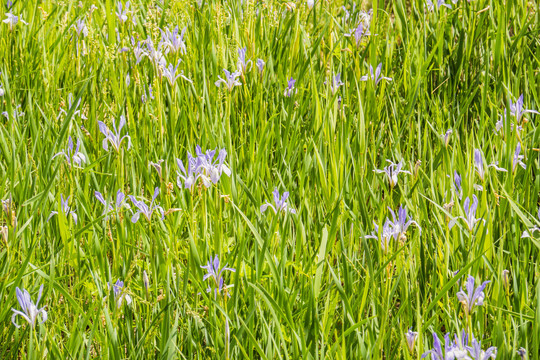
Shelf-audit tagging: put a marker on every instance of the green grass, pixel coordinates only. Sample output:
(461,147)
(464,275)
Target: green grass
(306,286)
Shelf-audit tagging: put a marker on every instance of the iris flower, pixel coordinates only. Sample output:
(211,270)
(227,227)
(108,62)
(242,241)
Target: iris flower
(431,6)
(335,83)
(290,90)
(476,352)
(113,206)
(392,171)
(122,14)
(446,137)
(517,160)
(119,293)
(230,81)
(260,65)
(517,109)
(12,20)
(30,311)
(114,137)
(411,336)
(71,156)
(65,208)
(479,164)
(280,204)
(402,222)
(359,33)
(170,73)
(386,235)
(474,296)
(243,64)
(470,214)
(146,210)
(172,41)
(215,273)
(376,77)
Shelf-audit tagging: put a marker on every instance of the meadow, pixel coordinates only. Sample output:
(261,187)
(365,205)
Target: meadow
(211,179)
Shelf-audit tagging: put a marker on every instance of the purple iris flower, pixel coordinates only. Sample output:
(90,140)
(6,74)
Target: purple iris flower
(499,125)
(431,6)
(114,137)
(290,90)
(243,64)
(71,156)
(376,77)
(170,73)
(204,166)
(335,83)
(260,65)
(437,353)
(359,33)
(65,208)
(188,177)
(411,336)
(474,296)
(470,214)
(522,352)
(517,109)
(122,14)
(280,204)
(120,293)
(517,160)
(113,206)
(155,54)
(476,352)
(446,137)
(12,20)
(386,235)
(529,233)
(146,210)
(172,41)
(215,273)
(392,171)
(138,51)
(30,311)
(479,164)
(457,184)
(402,222)
(80,27)
(230,81)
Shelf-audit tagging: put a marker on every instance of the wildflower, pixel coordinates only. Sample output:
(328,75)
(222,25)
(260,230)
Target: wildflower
(310,4)
(122,14)
(290,90)
(392,171)
(170,73)
(386,235)
(479,164)
(80,27)
(280,204)
(172,41)
(138,51)
(65,208)
(146,210)
(71,156)
(12,20)
(117,205)
(215,273)
(119,293)
(157,166)
(457,185)
(431,6)
(16,114)
(522,352)
(210,168)
(505,279)
(528,233)
(376,77)
(470,214)
(517,158)
(474,296)
(72,107)
(517,109)
(155,54)
(500,124)
(190,176)
(336,83)
(30,311)
(446,137)
(402,223)
(359,33)
(242,62)
(230,80)
(411,336)
(114,137)
(260,65)
(478,354)
(146,282)
(437,352)
(128,80)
